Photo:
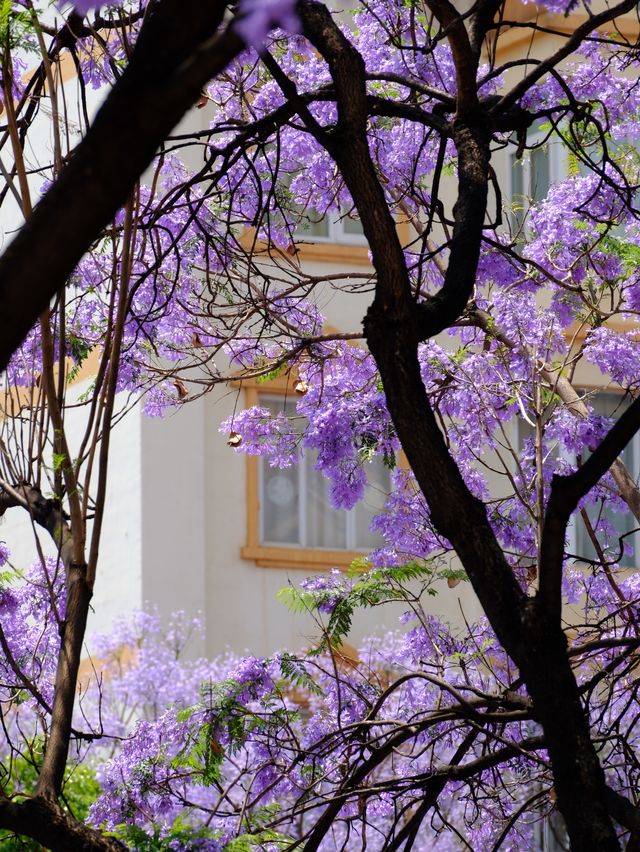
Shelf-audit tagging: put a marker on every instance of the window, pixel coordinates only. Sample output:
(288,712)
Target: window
(290,520)
(531,176)
(295,507)
(610,405)
(331,228)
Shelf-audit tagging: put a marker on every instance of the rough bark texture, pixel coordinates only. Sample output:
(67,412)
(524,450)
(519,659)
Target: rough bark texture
(176,55)
(47,823)
(529,631)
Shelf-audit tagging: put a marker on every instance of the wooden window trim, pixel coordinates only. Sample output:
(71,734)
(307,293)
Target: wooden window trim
(347,253)
(274,556)
(269,556)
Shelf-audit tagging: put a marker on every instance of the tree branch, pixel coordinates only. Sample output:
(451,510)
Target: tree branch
(176,54)
(566,492)
(49,825)
(570,46)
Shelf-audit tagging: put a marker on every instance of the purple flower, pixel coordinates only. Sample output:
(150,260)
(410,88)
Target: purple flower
(84,6)
(256,18)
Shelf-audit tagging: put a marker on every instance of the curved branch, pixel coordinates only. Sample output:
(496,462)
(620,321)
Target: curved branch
(566,492)
(49,825)
(570,46)
(176,54)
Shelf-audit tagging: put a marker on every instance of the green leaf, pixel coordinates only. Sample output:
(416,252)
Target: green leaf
(272,374)
(296,673)
(58,460)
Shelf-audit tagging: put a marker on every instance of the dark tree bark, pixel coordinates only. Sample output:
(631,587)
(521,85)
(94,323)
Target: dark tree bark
(177,53)
(528,628)
(46,822)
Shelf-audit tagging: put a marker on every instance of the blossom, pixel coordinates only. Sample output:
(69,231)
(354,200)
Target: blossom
(256,18)
(84,6)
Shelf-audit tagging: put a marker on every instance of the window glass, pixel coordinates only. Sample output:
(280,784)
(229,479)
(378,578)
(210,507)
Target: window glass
(279,504)
(313,225)
(372,504)
(329,227)
(540,173)
(531,177)
(352,227)
(325,526)
(295,508)
(610,405)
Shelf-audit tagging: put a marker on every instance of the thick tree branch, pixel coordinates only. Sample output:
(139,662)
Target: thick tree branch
(465,59)
(537,645)
(49,825)
(44,511)
(566,492)
(570,46)
(176,55)
(623,811)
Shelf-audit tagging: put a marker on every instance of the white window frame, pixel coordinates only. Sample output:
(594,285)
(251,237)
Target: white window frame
(572,529)
(336,234)
(557,172)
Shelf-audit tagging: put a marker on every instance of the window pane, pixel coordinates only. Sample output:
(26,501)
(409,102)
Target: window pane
(279,503)
(609,405)
(280,490)
(517,178)
(353,227)
(326,526)
(375,496)
(313,225)
(540,179)
(518,202)
(295,507)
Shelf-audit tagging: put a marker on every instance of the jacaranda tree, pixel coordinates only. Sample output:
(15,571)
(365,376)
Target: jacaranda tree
(477,324)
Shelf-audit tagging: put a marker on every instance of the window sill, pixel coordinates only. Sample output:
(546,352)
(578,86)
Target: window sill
(356,253)
(344,253)
(304,558)
(352,251)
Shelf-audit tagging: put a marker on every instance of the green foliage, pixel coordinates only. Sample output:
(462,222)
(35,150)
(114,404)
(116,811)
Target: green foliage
(58,461)
(363,587)
(202,755)
(15,25)
(628,253)
(258,834)
(272,374)
(222,716)
(338,627)
(258,841)
(5,17)
(295,671)
(86,395)
(80,351)
(180,835)
(80,790)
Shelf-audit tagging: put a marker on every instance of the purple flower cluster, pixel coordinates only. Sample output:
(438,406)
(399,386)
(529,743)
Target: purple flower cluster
(213,272)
